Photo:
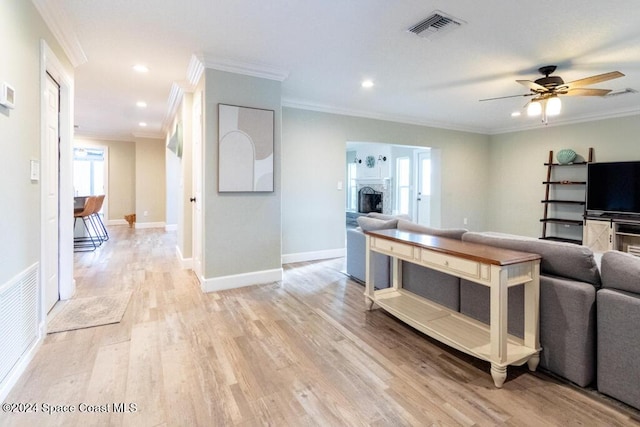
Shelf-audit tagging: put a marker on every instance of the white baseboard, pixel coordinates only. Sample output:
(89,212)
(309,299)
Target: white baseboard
(171,227)
(239,280)
(313,256)
(149,225)
(14,375)
(117,222)
(186,263)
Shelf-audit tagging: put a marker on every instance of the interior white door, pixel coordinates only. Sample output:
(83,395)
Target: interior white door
(197,201)
(424,188)
(51,160)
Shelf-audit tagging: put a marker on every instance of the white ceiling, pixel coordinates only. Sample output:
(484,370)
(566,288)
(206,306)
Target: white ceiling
(327,47)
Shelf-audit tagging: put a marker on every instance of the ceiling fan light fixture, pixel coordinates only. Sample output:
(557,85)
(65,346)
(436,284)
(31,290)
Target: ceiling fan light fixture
(553,107)
(534,108)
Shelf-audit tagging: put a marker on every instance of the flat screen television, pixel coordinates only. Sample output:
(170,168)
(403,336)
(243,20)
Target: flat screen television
(613,188)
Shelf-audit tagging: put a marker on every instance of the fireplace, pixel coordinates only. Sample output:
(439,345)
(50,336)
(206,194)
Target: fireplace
(369,200)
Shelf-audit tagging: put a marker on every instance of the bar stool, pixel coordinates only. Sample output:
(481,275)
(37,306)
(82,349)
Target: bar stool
(92,241)
(102,230)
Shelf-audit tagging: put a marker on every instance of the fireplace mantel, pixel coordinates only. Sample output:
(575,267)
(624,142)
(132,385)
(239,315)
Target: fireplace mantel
(364,181)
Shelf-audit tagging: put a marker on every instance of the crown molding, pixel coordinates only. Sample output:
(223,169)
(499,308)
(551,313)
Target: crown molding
(96,136)
(558,121)
(176,95)
(59,24)
(287,102)
(150,135)
(252,69)
(195,71)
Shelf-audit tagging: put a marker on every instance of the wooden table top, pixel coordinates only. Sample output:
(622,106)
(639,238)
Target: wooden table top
(468,250)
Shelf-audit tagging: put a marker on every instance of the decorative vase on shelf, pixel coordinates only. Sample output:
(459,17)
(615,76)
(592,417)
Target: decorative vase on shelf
(566,156)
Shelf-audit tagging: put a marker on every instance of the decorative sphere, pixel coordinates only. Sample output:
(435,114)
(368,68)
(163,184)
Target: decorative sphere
(566,156)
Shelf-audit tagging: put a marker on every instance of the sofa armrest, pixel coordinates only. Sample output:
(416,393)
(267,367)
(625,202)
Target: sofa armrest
(619,345)
(356,247)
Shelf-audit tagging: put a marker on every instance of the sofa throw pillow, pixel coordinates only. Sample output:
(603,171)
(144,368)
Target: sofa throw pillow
(621,271)
(372,224)
(412,227)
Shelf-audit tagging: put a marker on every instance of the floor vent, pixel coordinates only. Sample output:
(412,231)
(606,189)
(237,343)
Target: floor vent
(18,318)
(435,25)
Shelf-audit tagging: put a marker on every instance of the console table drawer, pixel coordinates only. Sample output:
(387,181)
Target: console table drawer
(394,248)
(466,267)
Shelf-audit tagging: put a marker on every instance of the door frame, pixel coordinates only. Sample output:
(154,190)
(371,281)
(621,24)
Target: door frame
(197,169)
(105,150)
(49,63)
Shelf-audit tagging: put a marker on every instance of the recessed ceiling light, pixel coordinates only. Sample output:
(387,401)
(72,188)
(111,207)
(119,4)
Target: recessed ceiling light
(141,104)
(367,84)
(142,124)
(141,68)
(515,114)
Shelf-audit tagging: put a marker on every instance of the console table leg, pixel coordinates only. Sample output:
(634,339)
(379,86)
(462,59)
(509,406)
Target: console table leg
(368,302)
(532,363)
(499,374)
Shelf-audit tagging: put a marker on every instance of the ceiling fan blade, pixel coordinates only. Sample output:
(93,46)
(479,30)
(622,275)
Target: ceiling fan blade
(533,86)
(579,91)
(510,96)
(593,80)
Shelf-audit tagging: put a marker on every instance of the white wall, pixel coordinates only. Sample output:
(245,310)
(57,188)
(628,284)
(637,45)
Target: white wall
(517,166)
(150,183)
(173,177)
(313,159)
(242,231)
(21,29)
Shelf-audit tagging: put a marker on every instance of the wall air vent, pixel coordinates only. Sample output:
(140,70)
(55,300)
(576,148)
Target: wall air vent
(435,25)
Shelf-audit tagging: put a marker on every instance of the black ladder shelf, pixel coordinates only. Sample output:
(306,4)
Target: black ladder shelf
(547,202)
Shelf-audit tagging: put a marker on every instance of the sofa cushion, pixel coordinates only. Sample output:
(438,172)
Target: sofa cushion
(558,258)
(621,271)
(372,224)
(451,233)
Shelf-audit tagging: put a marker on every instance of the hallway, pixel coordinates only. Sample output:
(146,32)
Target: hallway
(301,352)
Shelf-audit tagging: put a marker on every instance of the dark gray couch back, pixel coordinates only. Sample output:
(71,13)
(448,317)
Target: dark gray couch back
(621,271)
(558,259)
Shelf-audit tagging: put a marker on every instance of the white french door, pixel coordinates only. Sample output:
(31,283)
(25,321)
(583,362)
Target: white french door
(424,188)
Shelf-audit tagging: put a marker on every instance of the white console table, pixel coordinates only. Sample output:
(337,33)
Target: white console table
(493,267)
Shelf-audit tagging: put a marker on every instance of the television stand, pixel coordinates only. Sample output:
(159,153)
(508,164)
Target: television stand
(605,232)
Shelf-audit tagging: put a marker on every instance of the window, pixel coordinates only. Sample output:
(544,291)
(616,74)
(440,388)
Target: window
(403,185)
(88,171)
(352,187)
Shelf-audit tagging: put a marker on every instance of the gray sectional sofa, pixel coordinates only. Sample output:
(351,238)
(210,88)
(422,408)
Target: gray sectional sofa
(618,327)
(577,342)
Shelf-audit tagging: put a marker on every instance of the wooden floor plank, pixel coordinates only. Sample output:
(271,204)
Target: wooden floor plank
(301,352)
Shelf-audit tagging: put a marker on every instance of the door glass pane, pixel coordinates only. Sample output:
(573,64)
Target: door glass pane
(82,178)
(425,185)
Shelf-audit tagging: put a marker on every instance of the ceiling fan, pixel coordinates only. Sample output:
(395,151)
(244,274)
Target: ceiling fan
(546,90)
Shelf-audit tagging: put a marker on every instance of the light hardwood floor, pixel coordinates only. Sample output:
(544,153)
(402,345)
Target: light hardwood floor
(301,352)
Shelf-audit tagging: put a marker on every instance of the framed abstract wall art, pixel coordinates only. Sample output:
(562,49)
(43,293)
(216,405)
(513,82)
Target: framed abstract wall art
(245,150)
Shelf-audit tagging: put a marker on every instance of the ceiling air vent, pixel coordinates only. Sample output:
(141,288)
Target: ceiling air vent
(621,92)
(436,24)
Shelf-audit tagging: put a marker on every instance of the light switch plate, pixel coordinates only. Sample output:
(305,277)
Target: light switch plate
(7,95)
(35,170)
